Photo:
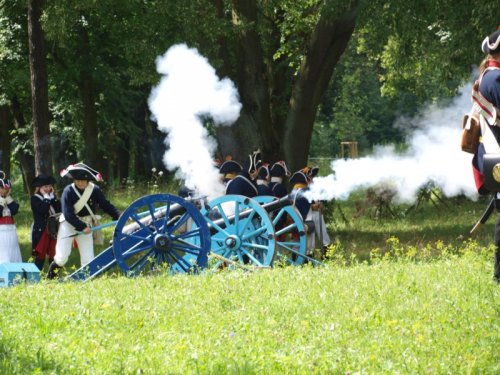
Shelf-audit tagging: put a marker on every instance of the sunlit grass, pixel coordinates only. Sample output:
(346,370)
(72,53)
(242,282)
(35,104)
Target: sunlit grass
(389,317)
(406,294)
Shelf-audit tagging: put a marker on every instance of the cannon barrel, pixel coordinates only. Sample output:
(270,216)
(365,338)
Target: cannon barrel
(269,207)
(177,209)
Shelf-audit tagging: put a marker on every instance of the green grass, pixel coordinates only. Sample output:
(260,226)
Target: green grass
(406,294)
(388,317)
(448,221)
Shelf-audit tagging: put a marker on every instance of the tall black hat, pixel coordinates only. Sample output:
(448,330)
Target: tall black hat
(81,171)
(42,180)
(4,181)
(279,169)
(230,166)
(491,44)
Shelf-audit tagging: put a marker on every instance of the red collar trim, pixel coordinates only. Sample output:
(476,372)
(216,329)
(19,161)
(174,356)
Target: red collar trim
(493,64)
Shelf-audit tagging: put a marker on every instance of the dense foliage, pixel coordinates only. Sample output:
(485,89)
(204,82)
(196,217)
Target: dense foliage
(100,61)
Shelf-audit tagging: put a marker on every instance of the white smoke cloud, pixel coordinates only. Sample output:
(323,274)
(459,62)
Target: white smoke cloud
(434,155)
(188,90)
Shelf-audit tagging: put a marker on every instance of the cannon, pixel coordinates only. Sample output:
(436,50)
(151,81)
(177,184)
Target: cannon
(163,232)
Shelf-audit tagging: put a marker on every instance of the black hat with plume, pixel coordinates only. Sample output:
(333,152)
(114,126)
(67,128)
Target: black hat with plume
(80,171)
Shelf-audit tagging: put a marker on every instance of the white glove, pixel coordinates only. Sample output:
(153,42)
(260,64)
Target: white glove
(46,196)
(51,195)
(8,199)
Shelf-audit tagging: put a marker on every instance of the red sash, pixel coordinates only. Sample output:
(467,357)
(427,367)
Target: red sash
(6,220)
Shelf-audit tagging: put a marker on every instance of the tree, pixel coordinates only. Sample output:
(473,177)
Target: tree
(15,88)
(282,55)
(39,90)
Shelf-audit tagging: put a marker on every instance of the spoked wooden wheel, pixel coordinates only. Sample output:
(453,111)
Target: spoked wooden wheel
(290,233)
(241,233)
(155,232)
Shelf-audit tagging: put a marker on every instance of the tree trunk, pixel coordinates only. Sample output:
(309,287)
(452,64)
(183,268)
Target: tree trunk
(25,158)
(5,139)
(39,89)
(90,126)
(326,46)
(254,128)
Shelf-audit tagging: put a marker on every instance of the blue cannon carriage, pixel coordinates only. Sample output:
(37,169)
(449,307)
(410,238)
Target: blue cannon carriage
(165,232)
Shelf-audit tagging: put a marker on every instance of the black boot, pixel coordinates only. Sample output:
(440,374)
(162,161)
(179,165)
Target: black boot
(496,268)
(53,270)
(39,263)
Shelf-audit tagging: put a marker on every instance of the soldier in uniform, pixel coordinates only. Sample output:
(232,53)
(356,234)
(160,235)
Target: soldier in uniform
(316,212)
(278,172)
(44,204)
(243,183)
(299,182)
(486,96)
(229,170)
(79,203)
(262,181)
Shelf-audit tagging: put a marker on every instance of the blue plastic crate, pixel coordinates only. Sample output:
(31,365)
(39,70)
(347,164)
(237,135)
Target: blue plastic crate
(16,273)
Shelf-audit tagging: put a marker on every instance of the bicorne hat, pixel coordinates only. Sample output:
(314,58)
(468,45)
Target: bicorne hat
(279,169)
(230,166)
(4,181)
(42,180)
(491,44)
(312,172)
(81,171)
(299,177)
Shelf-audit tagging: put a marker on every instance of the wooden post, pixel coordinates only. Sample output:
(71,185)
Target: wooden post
(352,147)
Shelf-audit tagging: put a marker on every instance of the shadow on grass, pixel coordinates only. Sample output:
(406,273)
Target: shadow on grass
(13,362)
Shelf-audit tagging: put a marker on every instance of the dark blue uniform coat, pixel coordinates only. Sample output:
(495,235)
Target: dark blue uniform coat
(40,207)
(97,198)
(242,185)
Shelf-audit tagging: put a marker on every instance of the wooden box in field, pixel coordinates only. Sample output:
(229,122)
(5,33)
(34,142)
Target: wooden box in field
(16,273)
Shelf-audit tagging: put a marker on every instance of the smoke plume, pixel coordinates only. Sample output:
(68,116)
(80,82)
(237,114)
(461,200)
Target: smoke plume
(433,155)
(188,91)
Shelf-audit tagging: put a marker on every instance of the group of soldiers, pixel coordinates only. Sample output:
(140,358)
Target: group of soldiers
(58,224)
(255,178)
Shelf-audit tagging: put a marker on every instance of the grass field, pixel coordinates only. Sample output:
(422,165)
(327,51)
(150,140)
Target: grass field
(409,293)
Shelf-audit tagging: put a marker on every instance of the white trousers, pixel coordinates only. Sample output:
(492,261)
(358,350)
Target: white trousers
(64,243)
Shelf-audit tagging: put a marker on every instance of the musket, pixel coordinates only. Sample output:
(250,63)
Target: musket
(486,214)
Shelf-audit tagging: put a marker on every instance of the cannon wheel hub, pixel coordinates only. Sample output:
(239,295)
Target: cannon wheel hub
(232,242)
(162,243)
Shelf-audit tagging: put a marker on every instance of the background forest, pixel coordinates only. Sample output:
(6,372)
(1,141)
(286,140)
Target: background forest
(76,75)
